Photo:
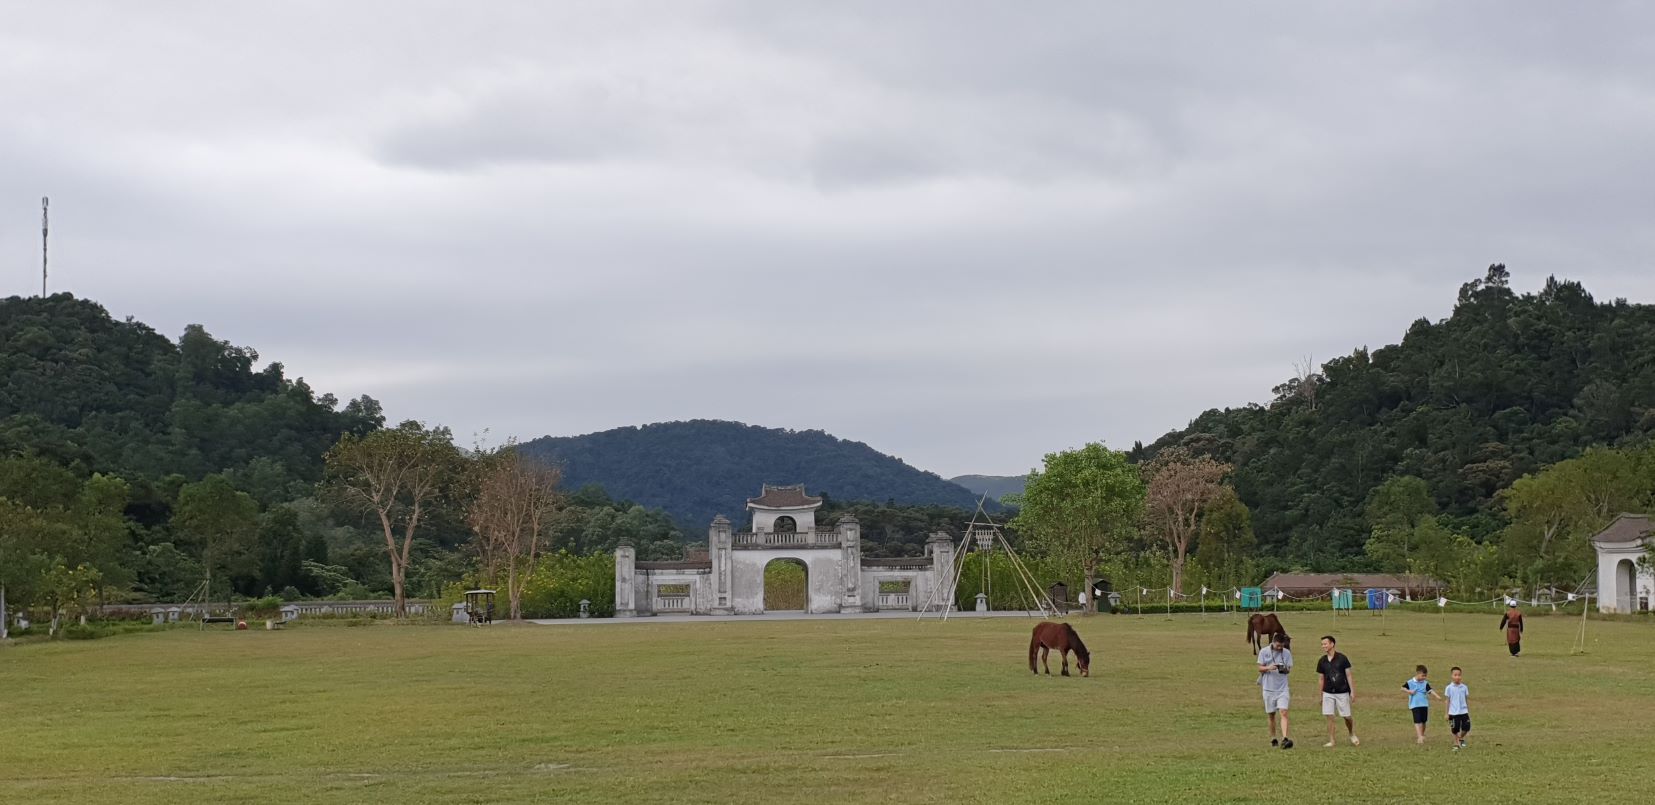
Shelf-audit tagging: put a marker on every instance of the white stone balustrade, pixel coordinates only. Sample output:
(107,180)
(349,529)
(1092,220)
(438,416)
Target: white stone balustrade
(820,538)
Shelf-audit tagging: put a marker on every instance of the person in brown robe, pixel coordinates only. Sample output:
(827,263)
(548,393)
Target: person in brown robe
(1512,623)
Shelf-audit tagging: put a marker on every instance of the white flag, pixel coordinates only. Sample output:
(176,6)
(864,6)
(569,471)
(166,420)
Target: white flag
(1442,602)
(1238,595)
(1203,590)
(1571,596)
(1390,598)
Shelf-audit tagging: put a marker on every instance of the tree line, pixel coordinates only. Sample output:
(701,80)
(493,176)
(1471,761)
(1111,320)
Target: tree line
(1506,386)
(134,468)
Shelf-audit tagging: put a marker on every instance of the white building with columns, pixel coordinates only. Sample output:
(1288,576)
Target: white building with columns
(1626,582)
(730,580)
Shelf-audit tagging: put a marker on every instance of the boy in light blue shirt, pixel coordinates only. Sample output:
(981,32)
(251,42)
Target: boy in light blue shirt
(1459,708)
(1419,691)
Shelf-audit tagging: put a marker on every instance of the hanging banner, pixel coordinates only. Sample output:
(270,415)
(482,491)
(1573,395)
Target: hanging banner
(1442,602)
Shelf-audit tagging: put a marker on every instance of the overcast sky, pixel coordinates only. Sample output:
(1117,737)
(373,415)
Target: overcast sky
(967,234)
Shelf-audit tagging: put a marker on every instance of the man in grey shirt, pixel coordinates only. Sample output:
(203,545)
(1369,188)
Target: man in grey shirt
(1274,661)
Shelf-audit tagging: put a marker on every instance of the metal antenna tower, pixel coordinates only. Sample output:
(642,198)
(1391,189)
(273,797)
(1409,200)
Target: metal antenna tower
(45,204)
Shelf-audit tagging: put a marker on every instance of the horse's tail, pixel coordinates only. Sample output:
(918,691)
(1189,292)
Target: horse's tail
(1079,647)
(1250,631)
(1034,649)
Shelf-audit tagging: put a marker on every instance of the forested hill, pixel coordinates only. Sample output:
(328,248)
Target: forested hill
(995,486)
(697,469)
(84,391)
(1508,384)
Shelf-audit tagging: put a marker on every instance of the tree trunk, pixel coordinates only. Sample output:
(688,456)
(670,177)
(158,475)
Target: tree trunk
(398,608)
(399,598)
(514,592)
(1091,581)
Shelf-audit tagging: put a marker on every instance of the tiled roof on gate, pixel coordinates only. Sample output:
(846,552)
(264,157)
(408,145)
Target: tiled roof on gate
(1626,528)
(783,497)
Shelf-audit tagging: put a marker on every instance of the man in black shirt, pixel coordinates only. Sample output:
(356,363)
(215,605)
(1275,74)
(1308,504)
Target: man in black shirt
(1337,689)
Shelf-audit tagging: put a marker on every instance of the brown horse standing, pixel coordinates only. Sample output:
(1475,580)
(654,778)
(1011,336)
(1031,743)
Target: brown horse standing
(1062,638)
(1260,626)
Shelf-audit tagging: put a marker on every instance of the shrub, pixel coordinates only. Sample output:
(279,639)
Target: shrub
(560,582)
(266,607)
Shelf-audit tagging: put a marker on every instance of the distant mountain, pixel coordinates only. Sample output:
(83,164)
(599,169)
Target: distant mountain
(701,468)
(997,486)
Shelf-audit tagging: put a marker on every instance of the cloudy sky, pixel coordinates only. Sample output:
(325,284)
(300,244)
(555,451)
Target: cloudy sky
(965,233)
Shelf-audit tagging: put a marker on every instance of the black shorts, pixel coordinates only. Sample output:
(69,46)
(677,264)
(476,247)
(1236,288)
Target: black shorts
(1460,724)
(1421,714)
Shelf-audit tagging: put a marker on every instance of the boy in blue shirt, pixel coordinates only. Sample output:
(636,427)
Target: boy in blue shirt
(1459,710)
(1418,691)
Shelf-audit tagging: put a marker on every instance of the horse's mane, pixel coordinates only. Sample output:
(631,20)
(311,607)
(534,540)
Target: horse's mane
(1080,648)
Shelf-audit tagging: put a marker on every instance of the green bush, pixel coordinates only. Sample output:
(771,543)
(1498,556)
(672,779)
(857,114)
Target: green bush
(1004,585)
(560,582)
(267,607)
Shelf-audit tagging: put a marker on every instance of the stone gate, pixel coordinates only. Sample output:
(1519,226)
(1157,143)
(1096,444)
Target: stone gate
(730,579)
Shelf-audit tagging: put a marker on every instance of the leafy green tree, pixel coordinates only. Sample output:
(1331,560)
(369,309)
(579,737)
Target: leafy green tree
(281,543)
(1080,507)
(67,590)
(1555,512)
(1226,543)
(1395,513)
(219,523)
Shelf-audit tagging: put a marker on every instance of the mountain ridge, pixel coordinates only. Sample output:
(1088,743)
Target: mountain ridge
(696,469)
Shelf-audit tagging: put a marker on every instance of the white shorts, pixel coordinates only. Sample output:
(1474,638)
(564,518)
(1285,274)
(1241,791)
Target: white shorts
(1336,704)
(1275,700)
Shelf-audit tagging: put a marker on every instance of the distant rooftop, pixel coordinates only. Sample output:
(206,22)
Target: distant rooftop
(1626,528)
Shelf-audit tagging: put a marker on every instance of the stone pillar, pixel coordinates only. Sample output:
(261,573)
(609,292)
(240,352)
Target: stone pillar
(941,548)
(720,539)
(626,588)
(850,563)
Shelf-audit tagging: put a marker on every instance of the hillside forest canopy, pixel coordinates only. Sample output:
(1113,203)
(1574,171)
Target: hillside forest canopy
(1484,449)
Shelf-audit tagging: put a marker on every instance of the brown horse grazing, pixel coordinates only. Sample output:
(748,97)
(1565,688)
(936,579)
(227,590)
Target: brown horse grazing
(1260,626)
(1060,637)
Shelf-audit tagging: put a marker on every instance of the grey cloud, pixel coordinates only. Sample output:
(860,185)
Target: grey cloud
(966,233)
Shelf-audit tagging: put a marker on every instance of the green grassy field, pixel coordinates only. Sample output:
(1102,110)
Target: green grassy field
(810,711)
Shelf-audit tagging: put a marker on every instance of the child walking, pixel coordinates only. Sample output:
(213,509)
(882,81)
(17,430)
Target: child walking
(1459,712)
(1419,690)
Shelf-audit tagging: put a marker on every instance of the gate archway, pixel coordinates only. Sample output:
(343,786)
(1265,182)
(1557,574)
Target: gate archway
(786,585)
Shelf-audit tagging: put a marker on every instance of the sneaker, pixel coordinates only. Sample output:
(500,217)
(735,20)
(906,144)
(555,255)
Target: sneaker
(1287,743)
(1328,745)
(1274,742)
(1355,741)
(1456,747)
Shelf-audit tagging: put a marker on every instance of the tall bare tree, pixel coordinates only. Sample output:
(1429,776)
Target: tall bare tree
(1180,487)
(396,475)
(516,502)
